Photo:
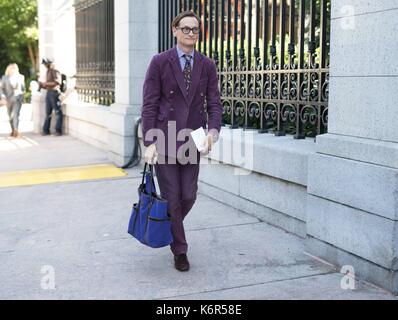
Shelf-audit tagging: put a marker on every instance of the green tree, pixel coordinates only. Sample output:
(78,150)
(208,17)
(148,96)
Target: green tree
(19,36)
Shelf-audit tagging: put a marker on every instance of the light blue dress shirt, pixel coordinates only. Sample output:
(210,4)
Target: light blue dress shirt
(182,58)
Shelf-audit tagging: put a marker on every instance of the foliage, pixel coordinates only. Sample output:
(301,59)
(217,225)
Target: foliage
(19,36)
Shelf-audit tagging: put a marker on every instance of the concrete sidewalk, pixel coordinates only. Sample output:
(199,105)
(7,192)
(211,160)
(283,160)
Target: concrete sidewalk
(79,231)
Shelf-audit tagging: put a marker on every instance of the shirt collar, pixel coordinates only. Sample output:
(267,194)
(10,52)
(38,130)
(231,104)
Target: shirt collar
(181,53)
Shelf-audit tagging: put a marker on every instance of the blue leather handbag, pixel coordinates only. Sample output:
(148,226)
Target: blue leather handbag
(150,222)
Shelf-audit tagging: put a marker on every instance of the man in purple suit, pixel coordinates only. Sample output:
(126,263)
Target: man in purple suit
(179,84)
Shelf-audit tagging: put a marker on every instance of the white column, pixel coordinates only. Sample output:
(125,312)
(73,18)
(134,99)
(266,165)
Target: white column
(46,23)
(57,41)
(136,41)
(353,179)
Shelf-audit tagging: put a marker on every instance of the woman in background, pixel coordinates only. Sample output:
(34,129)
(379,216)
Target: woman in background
(12,89)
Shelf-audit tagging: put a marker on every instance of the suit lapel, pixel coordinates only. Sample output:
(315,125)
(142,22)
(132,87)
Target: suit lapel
(178,74)
(196,73)
(176,66)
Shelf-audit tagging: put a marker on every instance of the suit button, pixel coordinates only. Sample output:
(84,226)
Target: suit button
(171,109)
(171,92)
(202,94)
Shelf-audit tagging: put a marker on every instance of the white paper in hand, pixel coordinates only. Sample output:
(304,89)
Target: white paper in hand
(199,137)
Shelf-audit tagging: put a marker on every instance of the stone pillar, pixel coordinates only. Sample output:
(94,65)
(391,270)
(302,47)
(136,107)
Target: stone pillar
(136,41)
(352,209)
(57,41)
(38,111)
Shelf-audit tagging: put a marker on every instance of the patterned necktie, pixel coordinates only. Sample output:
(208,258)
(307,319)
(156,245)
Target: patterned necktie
(187,71)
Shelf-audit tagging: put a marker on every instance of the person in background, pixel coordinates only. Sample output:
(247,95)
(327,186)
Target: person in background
(12,89)
(53,87)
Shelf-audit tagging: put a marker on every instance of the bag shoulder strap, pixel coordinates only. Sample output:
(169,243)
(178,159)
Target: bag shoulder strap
(151,183)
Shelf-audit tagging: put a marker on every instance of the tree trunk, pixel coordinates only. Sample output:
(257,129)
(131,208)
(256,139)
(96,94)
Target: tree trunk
(33,55)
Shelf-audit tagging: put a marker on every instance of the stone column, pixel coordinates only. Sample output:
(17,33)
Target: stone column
(136,41)
(352,209)
(57,41)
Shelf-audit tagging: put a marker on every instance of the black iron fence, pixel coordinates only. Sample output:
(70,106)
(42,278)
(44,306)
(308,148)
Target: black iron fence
(272,57)
(95,47)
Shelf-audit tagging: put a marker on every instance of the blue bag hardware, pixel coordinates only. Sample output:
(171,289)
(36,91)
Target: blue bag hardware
(150,223)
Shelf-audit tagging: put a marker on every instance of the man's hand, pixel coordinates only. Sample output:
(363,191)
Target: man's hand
(207,145)
(151,155)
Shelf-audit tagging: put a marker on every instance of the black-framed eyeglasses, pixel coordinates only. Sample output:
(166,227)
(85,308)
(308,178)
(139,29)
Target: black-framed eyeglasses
(187,30)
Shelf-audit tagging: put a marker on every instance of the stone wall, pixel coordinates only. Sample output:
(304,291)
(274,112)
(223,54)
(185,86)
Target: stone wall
(273,183)
(353,187)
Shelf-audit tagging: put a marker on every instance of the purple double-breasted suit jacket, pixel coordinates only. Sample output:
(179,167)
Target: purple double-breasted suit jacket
(165,99)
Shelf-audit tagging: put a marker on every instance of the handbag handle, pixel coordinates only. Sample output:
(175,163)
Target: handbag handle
(145,171)
(152,187)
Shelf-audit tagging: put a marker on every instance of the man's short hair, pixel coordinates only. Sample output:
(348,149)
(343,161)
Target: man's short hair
(183,15)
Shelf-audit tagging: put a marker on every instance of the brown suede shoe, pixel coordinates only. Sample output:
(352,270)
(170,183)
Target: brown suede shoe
(181,262)
(16,134)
